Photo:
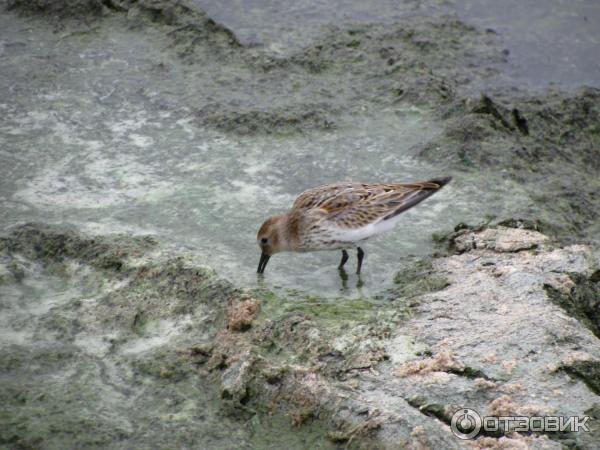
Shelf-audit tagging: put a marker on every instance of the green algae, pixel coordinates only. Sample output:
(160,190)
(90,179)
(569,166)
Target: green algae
(401,82)
(109,369)
(54,244)
(336,310)
(342,310)
(418,279)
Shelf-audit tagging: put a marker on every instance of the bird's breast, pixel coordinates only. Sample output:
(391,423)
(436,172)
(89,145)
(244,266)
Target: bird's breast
(322,238)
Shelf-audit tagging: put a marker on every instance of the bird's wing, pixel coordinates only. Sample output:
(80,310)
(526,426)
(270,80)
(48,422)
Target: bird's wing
(355,205)
(348,192)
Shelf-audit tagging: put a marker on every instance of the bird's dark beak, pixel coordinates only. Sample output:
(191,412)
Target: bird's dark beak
(264,259)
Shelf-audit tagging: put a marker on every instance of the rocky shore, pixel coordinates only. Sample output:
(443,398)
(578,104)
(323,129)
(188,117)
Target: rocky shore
(116,337)
(150,346)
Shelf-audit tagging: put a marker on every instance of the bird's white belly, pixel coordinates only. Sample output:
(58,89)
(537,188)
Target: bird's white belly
(352,235)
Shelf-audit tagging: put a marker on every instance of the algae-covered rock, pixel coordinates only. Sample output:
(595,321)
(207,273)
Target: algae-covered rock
(60,8)
(241,313)
(46,243)
(418,279)
(492,339)
(167,327)
(579,296)
(114,342)
(101,355)
(548,144)
(288,120)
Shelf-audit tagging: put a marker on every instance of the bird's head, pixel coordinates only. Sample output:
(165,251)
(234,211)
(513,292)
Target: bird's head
(270,240)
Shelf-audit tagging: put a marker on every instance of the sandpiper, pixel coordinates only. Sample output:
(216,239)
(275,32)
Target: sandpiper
(340,216)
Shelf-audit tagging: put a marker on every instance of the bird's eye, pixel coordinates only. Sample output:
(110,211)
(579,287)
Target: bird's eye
(263,240)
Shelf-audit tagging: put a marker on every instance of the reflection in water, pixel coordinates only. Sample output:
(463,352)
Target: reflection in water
(344,279)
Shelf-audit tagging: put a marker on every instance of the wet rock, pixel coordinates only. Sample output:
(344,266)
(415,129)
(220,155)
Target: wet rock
(60,8)
(53,243)
(396,381)
(527,224)
(189,27)
(405,61)
(540,142)
(498,320)
(487,106)
(579,296)
(500,239)
(520,121)
(585,370)
(241,313)
(11,271)
(234,380)
(418,279)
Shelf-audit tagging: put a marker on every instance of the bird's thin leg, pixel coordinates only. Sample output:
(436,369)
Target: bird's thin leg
(344,259)
(360,255)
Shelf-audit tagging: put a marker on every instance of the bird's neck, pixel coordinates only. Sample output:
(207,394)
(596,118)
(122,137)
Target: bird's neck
(290,232)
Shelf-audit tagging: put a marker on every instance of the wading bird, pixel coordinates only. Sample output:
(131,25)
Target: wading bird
(340,216)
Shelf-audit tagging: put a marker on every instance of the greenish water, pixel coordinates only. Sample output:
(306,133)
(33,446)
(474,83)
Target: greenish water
(104,135)
(100,128)
(72,378)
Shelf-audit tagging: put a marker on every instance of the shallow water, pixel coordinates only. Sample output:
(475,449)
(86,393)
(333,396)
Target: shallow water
(100,137)
(98,129)
(550,42)
(70,380)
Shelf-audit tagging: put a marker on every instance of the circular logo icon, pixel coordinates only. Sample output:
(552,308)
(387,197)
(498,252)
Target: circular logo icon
(465,423)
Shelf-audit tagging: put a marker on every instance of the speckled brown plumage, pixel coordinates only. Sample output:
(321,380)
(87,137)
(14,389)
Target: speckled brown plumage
(340,215)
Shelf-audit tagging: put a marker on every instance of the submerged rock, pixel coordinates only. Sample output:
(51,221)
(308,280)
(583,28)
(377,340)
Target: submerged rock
(54,244)
(546,143)
(288,120)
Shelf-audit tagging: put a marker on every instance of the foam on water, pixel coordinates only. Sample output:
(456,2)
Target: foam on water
(107,146)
